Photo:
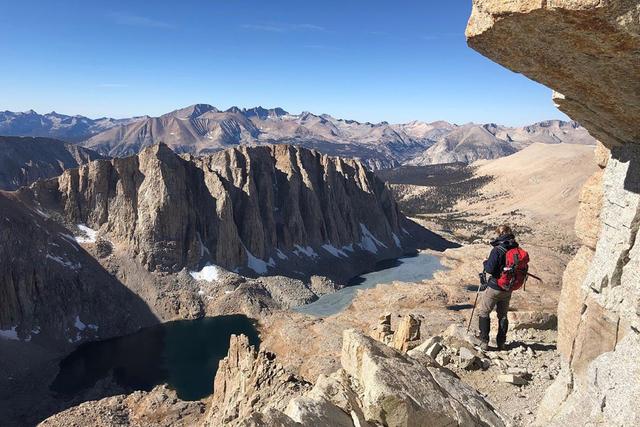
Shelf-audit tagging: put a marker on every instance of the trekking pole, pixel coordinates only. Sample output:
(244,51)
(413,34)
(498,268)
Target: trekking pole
(535,277)
(483,280)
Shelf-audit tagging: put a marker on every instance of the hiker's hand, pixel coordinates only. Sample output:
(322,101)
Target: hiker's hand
(483,286)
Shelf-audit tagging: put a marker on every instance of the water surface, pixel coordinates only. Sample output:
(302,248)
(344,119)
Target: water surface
(406,269)
(183,354)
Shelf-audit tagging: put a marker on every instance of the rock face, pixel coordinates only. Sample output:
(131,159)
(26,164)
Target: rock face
(26,160)
(249,381)
(257,210)
(377,385)
(119,244)
(576,44)
(571,46)
(52,291)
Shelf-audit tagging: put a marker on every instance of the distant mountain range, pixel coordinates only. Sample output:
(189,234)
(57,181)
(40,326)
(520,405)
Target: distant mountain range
(201,129)
(54,125)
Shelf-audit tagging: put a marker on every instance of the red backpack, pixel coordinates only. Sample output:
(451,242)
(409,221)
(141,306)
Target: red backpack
(514,273)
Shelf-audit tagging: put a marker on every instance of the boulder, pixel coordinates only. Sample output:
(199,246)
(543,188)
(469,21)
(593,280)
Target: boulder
(395,390)
(377,385)
(532,320)
(382,331)
(430,347)
(512,379)
(407,334)
(467,359)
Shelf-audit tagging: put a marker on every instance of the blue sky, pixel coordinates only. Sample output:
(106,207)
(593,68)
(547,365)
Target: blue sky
(367,60)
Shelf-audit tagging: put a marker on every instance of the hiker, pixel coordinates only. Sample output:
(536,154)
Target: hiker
(507,266)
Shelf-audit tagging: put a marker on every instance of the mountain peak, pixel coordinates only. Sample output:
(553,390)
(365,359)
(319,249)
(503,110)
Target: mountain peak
(192,111)
(264,113)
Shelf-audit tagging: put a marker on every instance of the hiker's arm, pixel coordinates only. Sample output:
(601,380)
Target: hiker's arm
(492,264)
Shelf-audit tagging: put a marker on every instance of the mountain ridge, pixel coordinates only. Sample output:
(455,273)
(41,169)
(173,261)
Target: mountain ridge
(202,129)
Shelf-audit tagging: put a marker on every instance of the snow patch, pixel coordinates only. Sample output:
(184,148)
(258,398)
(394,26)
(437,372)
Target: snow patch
(209,273)
(369,242)
(62,262)
(281,255)
(256,264)
(41,213)
(397,240)
(203,249)
(348,247)
(79,325)
(334,251)
(90,234)
(9,334)
(70,240)
(306,251)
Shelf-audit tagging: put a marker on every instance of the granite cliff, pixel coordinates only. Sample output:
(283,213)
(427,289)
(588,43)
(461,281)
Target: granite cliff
(586,51)
(256,210)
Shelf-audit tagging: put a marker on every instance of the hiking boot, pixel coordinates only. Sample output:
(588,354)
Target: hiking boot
(502,347)
(503,327)
(484,325)
(484,346)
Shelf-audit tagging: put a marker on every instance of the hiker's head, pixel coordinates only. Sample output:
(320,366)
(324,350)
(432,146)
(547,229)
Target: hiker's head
(503,229)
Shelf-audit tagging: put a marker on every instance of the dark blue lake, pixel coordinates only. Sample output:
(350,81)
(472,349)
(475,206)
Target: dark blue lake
(183,354)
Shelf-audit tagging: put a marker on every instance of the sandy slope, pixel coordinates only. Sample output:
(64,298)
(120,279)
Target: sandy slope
(543,182)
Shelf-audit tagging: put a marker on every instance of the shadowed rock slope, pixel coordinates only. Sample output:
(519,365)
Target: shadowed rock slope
(25,160)
(588,51)
(52,291)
